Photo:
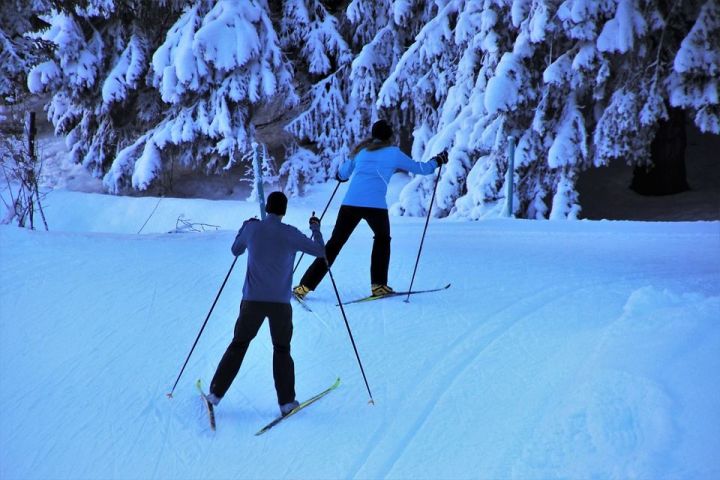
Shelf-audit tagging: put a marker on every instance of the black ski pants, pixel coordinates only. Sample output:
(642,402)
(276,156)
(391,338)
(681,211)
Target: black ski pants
(252,315)
(349,218)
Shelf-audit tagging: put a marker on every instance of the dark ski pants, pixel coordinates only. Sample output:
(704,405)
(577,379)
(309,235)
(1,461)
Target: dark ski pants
(349,218)
(252,315)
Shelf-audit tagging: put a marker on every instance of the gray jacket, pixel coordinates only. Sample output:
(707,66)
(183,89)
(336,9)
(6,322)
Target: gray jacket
(271,247)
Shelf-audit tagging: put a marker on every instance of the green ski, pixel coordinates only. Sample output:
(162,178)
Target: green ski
(208,406)
(394,294)
(299,407)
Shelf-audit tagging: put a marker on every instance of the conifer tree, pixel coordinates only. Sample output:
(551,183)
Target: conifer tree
(101,101)
(578,83)
(18,50)
(192,84)
(312,34)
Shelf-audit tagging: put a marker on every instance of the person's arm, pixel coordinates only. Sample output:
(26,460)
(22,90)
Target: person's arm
(345,170)
(240,244)
(407,164)
(314,246)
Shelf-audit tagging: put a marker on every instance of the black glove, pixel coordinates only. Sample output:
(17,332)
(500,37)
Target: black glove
(314,223)
(341,180)
(441,158)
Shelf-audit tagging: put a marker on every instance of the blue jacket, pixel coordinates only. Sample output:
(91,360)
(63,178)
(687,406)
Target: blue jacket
(271,247)
(371,171)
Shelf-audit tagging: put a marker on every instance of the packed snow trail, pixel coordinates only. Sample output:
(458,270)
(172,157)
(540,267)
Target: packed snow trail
(563,349)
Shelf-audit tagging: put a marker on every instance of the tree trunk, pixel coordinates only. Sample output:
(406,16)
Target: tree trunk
(667,174)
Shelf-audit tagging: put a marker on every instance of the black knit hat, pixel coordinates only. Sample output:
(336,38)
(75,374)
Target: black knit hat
(382,130)
(276,203)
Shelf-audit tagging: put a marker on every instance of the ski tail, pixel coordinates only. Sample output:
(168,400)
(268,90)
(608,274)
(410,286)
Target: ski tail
(370,298)
(210,408)
(295,410)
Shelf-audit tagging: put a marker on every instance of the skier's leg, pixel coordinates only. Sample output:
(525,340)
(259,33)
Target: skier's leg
(248,323)
(348,218)
(379,222)
(281,330)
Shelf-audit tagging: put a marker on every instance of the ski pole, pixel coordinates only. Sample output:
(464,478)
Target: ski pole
(347,325)
(170,395)
(352,340)
(422,240)
(321,217)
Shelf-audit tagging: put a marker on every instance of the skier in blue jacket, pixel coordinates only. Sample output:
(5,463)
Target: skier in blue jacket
(271,247)
(369,170)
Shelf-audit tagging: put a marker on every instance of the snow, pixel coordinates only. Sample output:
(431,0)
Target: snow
(538,23)
(569,146)
(502,92)
(229,24)
(41,75)
(618,34)
(146,166)
(562,350)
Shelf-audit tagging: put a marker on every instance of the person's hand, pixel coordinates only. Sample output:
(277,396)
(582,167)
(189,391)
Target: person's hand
(441,158)
(314,223)
(341,180)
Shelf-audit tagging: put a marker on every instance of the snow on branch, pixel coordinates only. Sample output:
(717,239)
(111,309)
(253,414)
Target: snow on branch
(694,82)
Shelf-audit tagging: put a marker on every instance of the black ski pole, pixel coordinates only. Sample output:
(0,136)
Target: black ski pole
(170,395)
(422,240)
(347,325)
(321,217)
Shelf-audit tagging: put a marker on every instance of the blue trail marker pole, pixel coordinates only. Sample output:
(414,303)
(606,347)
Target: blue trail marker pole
(510,178)
(258,179)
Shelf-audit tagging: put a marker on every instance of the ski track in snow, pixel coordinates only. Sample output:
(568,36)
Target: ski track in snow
(460,357)
(392,440)
(540,360)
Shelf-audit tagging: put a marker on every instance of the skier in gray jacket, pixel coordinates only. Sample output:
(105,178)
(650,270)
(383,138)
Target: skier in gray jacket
(271,247)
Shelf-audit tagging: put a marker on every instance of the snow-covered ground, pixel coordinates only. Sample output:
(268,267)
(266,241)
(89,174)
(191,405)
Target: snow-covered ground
(586,349)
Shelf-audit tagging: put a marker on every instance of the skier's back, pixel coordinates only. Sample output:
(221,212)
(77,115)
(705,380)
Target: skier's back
(271,247)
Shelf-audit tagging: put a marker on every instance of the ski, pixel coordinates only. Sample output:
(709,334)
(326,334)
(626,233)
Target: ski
(299,407)
(208,406)
(394,294)
(302,303)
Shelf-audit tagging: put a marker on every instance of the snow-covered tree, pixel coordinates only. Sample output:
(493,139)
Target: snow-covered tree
(322,124)
(135,97)
(217,62)
(695,79)
(578,83)
(101,101)
(300,168)
(308,27)
(312,35)
(18,52)
(343,105)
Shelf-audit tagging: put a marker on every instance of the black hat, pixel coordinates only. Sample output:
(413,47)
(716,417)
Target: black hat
(382,130)
(276,203)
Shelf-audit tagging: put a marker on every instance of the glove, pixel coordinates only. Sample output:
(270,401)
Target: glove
(441,158)
(314,223)
(341,180)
